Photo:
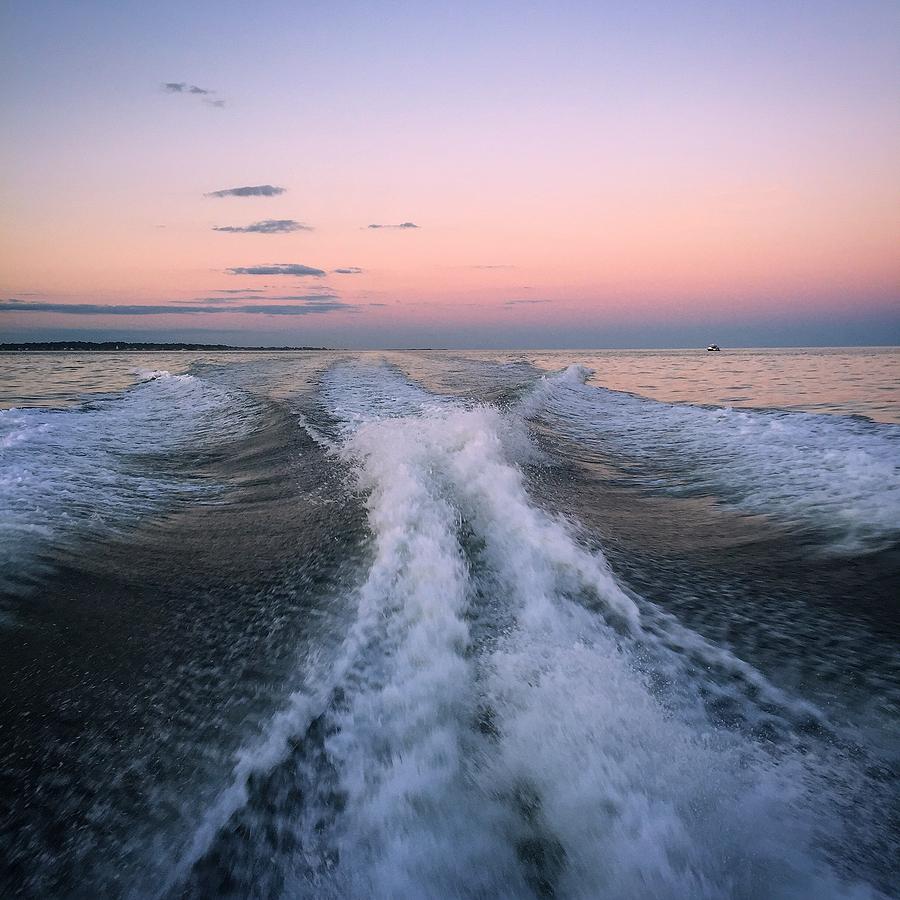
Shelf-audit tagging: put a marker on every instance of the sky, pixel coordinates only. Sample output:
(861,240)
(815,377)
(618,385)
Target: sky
(647,174)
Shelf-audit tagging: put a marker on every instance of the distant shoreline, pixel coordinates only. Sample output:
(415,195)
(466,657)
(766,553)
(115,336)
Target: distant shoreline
(156,346)
(108,346)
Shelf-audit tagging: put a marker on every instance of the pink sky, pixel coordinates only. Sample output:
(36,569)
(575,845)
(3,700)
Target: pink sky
(595,165)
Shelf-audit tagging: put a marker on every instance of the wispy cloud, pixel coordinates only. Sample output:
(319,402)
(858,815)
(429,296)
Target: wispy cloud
(349,270)
(250,190)
(266,226)
(221,301)
(277,269)
(317,306)
(182,87)
(238,290)
(492,267)
(524,302)
(401,225)
(325,296)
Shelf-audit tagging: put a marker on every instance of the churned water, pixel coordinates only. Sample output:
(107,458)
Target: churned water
(446,624)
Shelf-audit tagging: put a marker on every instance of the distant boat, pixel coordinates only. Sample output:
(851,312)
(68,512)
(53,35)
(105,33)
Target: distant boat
(713,347)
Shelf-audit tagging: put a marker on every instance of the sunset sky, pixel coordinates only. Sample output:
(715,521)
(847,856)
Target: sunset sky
(578,174)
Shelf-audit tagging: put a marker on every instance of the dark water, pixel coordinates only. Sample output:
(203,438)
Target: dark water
(450,624)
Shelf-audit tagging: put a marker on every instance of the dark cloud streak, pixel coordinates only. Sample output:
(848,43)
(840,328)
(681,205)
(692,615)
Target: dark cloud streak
(238,290)
(182,87)
(318,306)
(277,269)
(266,226)
(298,298)
(401,225)
(250,190)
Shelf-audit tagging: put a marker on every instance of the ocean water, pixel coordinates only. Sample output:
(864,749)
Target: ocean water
(450,624)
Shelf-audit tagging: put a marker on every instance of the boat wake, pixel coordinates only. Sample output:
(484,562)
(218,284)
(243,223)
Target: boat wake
(833,477)
(503,718)
(67,475)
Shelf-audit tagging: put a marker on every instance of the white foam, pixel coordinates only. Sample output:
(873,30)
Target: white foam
(64,473)
(583,779)
(832,474)
(357,393)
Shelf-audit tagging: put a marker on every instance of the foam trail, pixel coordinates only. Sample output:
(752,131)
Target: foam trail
(401,740)
(536,758)
(634,801)
(473,448)
(615,786)
(401,732)
(629,799)
(538,558)
(830,474)
(355,394)
(65,473)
